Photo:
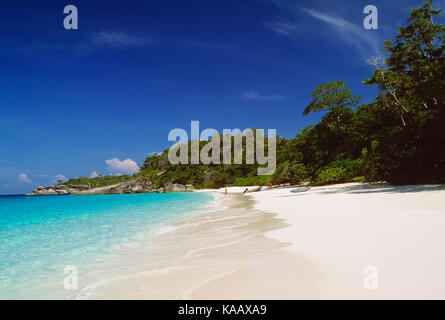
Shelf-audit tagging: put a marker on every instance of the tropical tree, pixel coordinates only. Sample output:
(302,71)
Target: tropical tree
(413,73)
(412,79)
(334,97)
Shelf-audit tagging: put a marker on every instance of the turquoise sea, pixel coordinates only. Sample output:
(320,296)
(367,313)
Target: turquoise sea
(40,236)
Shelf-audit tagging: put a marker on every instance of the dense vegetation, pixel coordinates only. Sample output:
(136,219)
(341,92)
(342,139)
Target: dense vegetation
(99,181)
(399,137)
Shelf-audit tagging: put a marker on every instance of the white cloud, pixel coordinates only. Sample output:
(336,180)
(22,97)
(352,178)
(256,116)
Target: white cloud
(117,40)
(368,43)
(282,27)
(60,177)
(94,174)
(364,40)
(127,166)
(103,40)
(256,96)
(23,178)
(111,40)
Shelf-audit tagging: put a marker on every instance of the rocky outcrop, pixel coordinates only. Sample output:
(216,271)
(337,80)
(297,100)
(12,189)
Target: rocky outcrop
(174,188)
(80,187)
(130,186)
(50,190)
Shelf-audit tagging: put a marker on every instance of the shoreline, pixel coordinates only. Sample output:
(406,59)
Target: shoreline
(275,244)
(204,247)
(338,235)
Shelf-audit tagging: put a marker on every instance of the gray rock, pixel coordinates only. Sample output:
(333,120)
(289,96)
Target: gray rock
(174,188)
(139,185)
(102,190)
(47,191)
(137,188)
(80,187)
(50,191)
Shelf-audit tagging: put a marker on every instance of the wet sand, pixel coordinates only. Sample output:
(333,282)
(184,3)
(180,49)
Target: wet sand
(198,251)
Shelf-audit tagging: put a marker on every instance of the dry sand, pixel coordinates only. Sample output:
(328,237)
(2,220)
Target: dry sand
(333,234)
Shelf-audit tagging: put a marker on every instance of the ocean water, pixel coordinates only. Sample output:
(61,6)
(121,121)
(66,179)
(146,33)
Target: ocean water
(40,236)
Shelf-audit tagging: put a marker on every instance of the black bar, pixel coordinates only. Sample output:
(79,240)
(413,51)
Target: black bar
(225,309)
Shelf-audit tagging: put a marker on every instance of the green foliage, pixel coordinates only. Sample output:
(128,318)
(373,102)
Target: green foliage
(338,171)
(100,181)
(408,116)
(252,181)
(331,175)
(332,96)
(289,172)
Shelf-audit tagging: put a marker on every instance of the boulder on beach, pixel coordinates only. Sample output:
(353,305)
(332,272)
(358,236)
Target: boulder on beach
(175,188)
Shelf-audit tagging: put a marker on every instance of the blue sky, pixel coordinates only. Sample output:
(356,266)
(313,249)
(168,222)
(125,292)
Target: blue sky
(75,102)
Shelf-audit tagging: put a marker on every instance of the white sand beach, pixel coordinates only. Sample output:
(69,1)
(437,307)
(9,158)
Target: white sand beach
(326,243)
(335,236)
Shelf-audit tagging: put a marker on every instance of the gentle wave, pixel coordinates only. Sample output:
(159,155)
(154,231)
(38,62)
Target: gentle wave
(39,236)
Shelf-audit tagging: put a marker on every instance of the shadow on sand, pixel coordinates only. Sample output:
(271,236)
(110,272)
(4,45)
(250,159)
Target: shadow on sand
(370,188)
